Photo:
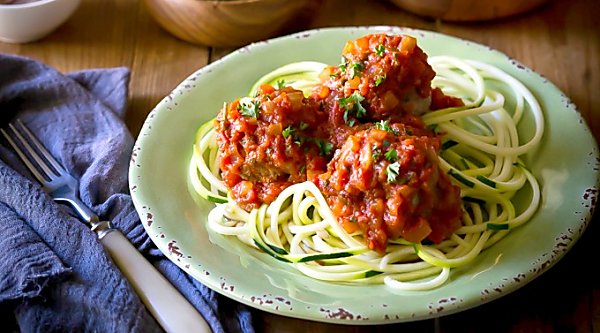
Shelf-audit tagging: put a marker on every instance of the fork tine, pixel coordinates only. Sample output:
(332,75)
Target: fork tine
(24,157)
(41,148)
(42,171)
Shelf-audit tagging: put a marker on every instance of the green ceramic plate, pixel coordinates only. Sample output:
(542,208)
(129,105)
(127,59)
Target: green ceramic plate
(175,220)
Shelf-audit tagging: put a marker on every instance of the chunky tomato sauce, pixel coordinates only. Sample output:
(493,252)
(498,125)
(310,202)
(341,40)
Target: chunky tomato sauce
(268,143)
(359,137)
(387,183)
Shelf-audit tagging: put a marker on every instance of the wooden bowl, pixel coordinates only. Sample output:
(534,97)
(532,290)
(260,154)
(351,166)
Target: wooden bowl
(229,23)
(467,10)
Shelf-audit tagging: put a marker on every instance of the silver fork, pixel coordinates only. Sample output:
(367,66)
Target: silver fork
(170,309)
(61,186)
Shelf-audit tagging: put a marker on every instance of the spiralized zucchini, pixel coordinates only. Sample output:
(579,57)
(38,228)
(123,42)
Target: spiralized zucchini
(481,152)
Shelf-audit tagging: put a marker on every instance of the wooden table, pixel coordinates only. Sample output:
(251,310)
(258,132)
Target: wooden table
(559,40)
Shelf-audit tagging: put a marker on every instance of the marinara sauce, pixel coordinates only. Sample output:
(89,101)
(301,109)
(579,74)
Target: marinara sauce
(381,77)
(269,142)
(386,182)
(359,137)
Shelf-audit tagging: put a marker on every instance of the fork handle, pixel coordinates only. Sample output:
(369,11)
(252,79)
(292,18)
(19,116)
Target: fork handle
(172,311)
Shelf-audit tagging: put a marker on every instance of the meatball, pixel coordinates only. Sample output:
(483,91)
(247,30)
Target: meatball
(381,77)
(269,142)
(385,181)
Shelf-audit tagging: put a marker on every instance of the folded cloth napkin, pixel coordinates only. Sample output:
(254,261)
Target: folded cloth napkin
(54,274)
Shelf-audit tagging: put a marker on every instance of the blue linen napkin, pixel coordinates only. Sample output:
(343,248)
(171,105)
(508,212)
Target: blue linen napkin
(54,274)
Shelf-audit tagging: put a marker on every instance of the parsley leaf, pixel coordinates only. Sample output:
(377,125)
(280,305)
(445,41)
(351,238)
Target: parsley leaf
(391,155)
(379,80)
(249,109)
(380,50)
(303,126)
(343,65)
(287,131)
(376,153)
(325,147)
(392,171)
(356,69)
(280,84)
(384,125)
(352,105)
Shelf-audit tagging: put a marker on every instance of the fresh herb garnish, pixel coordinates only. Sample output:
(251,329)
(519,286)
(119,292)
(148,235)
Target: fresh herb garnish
(325,147)
(380,50)
(384,125)
(287,131)
(249,109)
(376,154)
(391,155)
(303,126)
(343,65)
(379,80)
(356,69)
(351,105)
(280,84)
(392,171)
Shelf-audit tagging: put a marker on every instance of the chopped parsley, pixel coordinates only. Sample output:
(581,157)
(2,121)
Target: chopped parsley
(356,69)
(249,109)
(351,105)
(290,130)
(280,84)
(343,65)
(384,125)
(392,172)
(325,147)
(380,50)
(379,80)
(287,131)
(391,155)
(376,154)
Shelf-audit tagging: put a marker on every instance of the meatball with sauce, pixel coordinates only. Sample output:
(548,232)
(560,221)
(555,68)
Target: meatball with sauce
(381,77)
(386,182)
(269,142)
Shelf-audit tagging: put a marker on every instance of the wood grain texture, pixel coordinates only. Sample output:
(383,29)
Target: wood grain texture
(559,40)
(467,10)
(225,23)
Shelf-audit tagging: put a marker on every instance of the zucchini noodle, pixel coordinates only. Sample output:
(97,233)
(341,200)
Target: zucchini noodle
(481,152)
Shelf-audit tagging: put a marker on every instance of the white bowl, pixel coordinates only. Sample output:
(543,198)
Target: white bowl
(28,22)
